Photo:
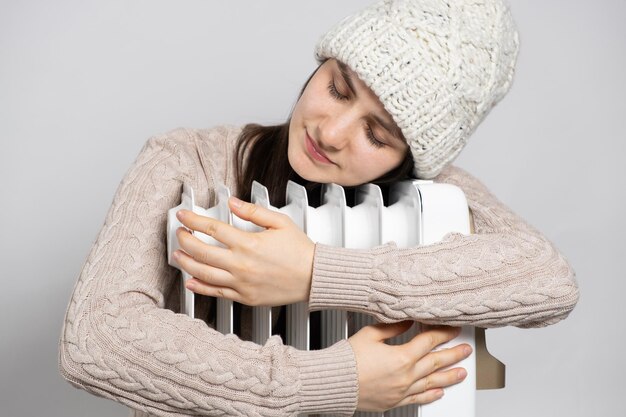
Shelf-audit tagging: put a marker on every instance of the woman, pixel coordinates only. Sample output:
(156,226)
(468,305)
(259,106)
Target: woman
(400,87)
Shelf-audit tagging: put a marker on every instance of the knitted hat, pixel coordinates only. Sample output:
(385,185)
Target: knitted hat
(438,67)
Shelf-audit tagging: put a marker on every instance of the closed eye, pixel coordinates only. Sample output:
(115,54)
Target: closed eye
(372,138)
(332,88)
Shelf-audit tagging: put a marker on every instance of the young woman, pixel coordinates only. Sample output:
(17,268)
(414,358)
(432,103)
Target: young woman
(399,89)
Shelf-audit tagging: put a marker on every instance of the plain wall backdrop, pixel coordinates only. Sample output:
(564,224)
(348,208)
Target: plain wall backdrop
(83,84)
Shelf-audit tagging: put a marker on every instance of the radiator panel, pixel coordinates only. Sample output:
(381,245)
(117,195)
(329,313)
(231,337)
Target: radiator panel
(417,213)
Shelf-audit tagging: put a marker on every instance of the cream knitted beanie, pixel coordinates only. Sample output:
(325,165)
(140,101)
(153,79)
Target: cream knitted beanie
(438,67)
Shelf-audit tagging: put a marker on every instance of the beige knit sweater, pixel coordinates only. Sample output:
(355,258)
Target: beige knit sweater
(122,340)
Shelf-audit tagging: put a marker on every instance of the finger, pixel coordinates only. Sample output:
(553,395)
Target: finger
(441,359)
(207,254)
(220,231)
(200,287)
(258,215)
(422,398)
(427,340)
(205,273)
(436,380)
(383,331)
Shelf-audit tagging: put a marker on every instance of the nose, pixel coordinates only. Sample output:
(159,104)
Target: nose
(336,131)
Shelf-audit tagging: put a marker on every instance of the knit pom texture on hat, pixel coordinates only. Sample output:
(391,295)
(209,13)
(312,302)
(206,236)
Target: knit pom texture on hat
(438,67)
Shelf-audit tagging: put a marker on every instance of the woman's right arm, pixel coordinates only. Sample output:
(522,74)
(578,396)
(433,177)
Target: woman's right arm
(118,341)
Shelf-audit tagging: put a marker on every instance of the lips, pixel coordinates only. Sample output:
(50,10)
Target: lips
(315,152)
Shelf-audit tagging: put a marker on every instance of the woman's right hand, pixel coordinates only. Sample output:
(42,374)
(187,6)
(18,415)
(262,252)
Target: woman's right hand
(395,375)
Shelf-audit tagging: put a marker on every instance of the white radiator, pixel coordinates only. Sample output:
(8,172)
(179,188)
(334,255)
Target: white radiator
(418,213)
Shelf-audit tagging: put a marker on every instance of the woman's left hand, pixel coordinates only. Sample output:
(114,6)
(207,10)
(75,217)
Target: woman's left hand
(269,268)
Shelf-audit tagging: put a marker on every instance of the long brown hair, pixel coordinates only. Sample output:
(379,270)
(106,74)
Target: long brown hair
(264,148)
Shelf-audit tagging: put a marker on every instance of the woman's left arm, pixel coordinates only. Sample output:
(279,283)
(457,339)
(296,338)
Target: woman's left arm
(506,273)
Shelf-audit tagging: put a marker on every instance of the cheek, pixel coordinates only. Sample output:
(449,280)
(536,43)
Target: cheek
(314,102)
(373,165)
(379,160)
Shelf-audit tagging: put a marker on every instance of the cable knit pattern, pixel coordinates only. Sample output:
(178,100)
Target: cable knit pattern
(121,341)
(507,273)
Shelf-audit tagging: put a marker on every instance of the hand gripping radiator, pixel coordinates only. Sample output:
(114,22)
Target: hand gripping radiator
(418,213)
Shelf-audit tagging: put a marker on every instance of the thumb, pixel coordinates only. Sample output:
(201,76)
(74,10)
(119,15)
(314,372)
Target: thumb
(256,214)
(383,331)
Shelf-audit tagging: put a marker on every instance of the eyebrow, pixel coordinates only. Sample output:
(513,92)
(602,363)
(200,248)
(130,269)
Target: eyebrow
(390,127)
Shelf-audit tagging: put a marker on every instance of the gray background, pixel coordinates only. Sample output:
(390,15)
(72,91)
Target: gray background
(84,83)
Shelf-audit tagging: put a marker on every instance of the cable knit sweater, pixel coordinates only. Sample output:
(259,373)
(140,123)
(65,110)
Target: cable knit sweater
(122,340)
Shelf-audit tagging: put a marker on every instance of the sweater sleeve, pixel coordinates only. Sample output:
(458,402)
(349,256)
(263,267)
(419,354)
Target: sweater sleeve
(506,273)
(119,342)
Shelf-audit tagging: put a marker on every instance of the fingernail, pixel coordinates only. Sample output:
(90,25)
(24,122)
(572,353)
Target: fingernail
(440,393)
(467,350)
(236,202)
(462,373)
(176,255)
(190,285)
(180,214)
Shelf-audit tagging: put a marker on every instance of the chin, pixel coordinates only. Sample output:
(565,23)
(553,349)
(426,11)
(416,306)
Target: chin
(301,164)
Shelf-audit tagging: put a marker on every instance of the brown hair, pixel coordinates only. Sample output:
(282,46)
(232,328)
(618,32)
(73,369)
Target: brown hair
(265,150)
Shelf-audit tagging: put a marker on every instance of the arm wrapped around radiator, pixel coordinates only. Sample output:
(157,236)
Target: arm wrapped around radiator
(506,273)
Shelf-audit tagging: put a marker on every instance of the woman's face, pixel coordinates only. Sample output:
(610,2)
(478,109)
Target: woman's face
(340,132)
